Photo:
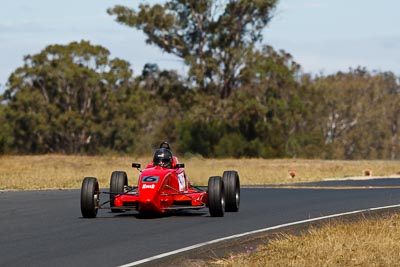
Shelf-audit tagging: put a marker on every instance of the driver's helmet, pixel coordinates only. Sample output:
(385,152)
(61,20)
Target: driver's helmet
(163,158)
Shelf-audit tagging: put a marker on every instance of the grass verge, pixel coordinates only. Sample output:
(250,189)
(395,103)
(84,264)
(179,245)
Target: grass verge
(372,242)
(66,172)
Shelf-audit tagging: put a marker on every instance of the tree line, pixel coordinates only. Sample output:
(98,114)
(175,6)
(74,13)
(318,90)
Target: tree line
(239,98)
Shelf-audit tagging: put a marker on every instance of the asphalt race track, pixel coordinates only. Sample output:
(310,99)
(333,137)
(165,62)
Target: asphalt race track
(45,228)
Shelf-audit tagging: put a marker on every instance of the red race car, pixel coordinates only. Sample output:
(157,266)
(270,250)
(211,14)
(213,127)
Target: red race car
(162,187)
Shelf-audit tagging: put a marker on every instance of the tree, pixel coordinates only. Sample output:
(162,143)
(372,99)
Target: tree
(392,111)
(62,98)
(275,102)
(5,131)
(262,119)
(358,115)
(212,37)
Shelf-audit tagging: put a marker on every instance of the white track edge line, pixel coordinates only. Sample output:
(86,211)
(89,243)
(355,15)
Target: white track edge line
(163,255)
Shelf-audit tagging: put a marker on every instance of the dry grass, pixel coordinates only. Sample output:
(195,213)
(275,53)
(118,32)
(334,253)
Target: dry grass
(60,171)
(365,243)
(56,171)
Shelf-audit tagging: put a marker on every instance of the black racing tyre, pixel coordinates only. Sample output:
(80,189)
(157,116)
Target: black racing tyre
(90,197)
(118,181)
(232,190)
(216,196)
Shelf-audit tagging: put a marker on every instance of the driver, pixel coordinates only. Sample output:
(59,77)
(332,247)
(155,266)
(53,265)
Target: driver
(163,153)
(167,146)
(163,157)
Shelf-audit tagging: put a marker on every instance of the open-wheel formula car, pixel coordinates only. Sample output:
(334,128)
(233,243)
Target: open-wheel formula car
(162,189)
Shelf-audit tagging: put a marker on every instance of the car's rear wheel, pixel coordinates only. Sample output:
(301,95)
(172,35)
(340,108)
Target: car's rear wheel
(118,181)
(90,197)
(216,196)
(232,190)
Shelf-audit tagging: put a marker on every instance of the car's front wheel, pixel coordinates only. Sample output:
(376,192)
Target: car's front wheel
(118,181)
(216,196)
(232,190)
(90,197)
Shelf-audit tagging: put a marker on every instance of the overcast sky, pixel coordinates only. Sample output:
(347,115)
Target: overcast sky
(323,36)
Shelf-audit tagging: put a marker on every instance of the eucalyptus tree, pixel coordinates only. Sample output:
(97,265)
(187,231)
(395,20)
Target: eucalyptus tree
(5,133)
(358,114)
(262,119)
(212,37)
(64,98)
